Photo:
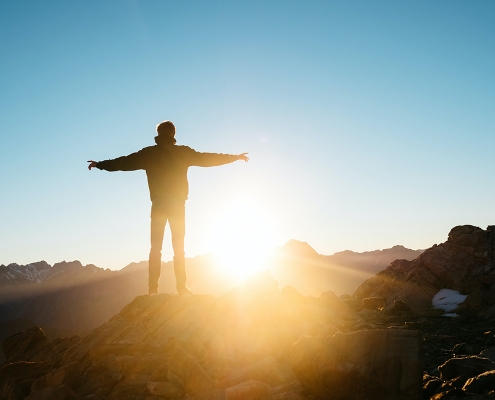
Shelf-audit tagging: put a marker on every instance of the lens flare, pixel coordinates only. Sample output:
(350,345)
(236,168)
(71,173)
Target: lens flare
(242,237)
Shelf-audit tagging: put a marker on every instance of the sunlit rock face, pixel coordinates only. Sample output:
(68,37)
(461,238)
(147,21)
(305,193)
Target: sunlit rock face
(236,346)
(465,263)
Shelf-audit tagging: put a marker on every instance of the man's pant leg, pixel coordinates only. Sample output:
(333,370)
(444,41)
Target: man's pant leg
(158,222)
(177,220)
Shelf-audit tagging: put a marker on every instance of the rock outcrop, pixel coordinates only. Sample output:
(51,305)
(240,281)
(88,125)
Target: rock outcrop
(364,365)
(237,346)
(465,263)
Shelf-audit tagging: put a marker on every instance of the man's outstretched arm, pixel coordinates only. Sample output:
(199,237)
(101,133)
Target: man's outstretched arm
(216,159)
(132,162)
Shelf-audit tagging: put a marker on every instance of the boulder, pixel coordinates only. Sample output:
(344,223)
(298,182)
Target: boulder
(378,364)
(24,346)
(67,375)
(465,368)
(16,378)
(97,381)
(481,383)
(488,353)
(430,385)
(330,300)
(374,303)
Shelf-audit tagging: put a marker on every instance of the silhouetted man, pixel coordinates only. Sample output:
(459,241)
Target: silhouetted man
(166,167)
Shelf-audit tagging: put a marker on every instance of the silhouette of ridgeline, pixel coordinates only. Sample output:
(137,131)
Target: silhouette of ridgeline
(69,298)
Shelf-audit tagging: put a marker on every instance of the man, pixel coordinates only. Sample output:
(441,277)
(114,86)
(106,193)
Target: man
(166,167)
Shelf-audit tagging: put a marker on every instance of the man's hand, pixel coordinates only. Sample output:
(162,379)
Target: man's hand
(92,164)
(243,157)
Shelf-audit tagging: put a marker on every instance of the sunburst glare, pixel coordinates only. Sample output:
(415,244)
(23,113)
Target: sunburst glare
(242,237)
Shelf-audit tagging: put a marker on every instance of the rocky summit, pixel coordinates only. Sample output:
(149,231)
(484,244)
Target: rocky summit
(254,342)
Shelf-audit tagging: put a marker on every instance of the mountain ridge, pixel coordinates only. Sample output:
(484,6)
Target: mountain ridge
(71,298)
(41,271)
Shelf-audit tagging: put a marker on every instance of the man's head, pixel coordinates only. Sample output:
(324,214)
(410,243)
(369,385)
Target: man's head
(166,128)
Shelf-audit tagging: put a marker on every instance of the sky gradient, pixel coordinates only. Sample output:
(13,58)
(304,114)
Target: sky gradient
(368,124)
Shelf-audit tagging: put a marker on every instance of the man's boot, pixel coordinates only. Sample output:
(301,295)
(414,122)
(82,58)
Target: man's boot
(180,276)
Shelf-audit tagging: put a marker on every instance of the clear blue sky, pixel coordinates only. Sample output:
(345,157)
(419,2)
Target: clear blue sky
(368,123)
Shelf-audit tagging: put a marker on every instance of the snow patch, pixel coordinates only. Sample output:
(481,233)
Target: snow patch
(448,300)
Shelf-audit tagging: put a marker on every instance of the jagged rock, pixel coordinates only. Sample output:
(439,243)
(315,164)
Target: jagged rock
(56,349)
(379,364)
(467,349)
(33,345)
(97,381)
(488,353)
(449,394)
(370,316)
(430,385)
(330,301)
(356,305)
(25,346)
(67,375)
(186,372)
(481,383)
(374,303)
(251,389)
(16,378)
(465,368)
(465,262)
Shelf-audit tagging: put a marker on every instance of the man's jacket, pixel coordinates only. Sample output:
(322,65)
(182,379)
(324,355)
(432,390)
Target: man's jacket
(166,167)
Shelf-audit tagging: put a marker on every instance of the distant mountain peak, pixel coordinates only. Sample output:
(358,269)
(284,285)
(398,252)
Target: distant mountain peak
(298,248)
(68,264)
(40,271)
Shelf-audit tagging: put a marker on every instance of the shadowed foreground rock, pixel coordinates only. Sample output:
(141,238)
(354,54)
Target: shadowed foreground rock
(364,365)
(235,347)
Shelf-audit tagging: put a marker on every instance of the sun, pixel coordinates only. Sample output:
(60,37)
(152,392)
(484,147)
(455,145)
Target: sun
(242,237)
